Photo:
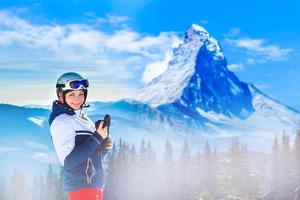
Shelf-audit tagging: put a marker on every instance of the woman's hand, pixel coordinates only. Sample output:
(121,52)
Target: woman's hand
(107,144)
(103,132)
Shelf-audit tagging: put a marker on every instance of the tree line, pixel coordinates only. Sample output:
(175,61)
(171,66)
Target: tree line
(138,174)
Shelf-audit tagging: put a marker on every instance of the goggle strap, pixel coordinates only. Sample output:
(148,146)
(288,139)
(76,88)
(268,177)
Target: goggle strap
(59,85)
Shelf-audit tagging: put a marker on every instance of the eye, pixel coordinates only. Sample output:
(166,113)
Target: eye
(71,94)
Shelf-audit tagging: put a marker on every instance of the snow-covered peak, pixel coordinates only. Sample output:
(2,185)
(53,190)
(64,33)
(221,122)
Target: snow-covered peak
(169,87)
(195,32)
(197,28)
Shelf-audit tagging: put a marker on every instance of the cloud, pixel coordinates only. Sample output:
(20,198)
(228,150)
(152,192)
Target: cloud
(203,21)
(110,19)
(260,50)
(78,41)
(45,157)
(119,55)
(236,67)
(8,149)
(233,32)
(155,69)
(36,145)
(147,46)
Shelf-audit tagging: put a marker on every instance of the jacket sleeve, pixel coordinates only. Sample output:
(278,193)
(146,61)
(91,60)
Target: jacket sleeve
(63,136)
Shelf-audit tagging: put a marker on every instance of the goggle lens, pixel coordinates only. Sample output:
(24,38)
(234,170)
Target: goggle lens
(79,83)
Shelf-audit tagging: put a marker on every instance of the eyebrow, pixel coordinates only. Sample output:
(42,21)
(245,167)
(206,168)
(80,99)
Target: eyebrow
(73,92)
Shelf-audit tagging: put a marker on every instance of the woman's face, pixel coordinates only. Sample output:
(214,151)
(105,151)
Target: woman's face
(75,99)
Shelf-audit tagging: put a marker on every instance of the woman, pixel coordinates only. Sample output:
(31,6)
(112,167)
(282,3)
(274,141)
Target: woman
(80,147)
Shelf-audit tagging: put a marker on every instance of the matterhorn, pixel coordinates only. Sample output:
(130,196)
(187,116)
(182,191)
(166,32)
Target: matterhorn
(199,90)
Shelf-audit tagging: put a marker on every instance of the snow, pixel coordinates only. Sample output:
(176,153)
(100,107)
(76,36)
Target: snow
(235,89)
(169,86)
(198,28)
(270,118)
(269,108)
(212,116)
(37,120)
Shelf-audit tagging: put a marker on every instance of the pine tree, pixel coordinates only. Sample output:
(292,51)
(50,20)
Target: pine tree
(42,187)
(296,155)
(152,168)
(168,155)
(150,155)
(286,164)
(168,173)
(18,188)
(3,189)
(35,189)
(209,167)
(120,190)
(111,180)
(237,173)
(185,176)
(275,169)
(52,184)
(60,193)
(143,152)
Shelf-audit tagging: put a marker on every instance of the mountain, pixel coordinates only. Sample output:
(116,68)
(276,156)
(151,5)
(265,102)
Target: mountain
(197,88)
(24,140)
(197,99)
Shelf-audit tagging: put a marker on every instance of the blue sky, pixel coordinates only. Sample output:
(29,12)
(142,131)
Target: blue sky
(121,44)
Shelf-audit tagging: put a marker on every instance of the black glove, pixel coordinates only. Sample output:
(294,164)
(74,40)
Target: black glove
(106,145)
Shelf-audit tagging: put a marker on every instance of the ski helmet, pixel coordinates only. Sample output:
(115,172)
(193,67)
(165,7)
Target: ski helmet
(69,82)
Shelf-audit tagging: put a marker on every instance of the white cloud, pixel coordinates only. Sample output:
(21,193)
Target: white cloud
(36,145)
(17,30)
(233,32)
(236,67)
(78,40)
(258,48)
(148,46)
(8,149)
(155,69)
(110,19)
(251,61)
(203,21)
(45,157)
(120,55)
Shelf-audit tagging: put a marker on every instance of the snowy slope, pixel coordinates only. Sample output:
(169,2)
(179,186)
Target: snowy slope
(197,77)
(170,85)
(198,89)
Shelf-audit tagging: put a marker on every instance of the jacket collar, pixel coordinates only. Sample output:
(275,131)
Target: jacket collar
(58,109)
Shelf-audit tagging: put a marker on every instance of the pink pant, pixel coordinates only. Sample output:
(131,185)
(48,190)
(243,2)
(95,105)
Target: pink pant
(86,194)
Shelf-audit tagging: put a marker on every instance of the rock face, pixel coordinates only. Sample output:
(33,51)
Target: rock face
(198,88)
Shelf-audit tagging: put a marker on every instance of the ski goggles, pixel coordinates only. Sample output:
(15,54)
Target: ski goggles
(74,85)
